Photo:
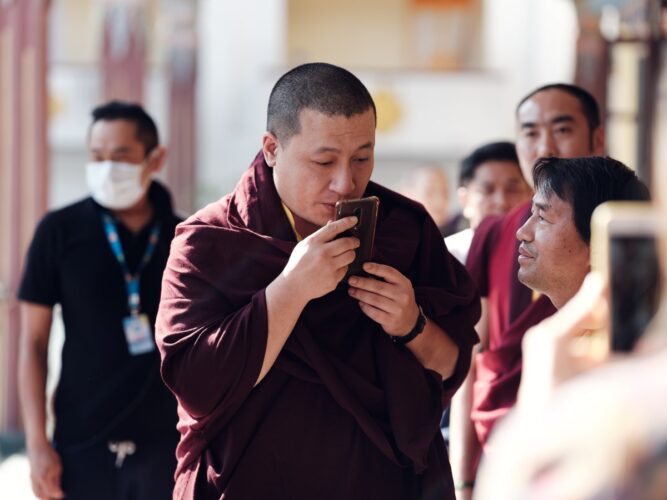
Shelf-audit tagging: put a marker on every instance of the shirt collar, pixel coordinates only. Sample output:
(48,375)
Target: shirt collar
(290,218)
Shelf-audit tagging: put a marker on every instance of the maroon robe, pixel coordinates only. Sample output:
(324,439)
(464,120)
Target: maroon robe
(344,412)
(493,264)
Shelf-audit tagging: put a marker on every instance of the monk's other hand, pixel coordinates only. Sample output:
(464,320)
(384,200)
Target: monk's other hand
(319,262)
(389,301)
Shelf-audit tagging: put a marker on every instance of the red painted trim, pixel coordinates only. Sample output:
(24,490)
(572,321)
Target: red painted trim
(41,188)
(28,21)
(10,408)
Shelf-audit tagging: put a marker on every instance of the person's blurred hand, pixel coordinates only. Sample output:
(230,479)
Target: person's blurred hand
(573,340)
(45,472)
(464,494)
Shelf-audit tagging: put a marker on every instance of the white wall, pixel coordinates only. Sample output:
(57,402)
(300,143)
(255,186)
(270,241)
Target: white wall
(444,114)
(240,55)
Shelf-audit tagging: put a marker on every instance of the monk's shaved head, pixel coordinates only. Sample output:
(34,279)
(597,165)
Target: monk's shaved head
(322,87)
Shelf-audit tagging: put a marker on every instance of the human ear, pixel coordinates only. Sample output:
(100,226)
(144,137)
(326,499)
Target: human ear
(269,148)
(462,196)
(156,159)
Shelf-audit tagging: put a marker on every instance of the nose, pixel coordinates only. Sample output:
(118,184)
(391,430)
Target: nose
(547,146)
(501,201)
(342,181)
(525,232)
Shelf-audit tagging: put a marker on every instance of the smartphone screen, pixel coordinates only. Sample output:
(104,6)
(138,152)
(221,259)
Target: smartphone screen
(366,211)
(624,251)
(634,282)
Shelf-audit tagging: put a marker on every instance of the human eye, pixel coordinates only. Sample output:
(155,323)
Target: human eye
(564,130)
(361,160)
(486,190)
(513,189)
(323,162)
(537,213)
(542,216)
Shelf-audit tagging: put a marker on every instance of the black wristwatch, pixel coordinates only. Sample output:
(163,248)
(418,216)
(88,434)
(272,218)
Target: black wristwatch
(419,327)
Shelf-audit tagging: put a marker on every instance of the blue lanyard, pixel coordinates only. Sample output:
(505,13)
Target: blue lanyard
(131,280)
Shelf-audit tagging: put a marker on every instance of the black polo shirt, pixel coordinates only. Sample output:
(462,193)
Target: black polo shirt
(104,392)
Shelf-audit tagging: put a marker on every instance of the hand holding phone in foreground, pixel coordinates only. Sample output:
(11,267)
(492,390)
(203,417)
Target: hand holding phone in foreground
(570,342)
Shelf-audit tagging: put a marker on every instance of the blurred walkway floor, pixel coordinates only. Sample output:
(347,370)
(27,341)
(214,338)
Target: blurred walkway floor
(15,478)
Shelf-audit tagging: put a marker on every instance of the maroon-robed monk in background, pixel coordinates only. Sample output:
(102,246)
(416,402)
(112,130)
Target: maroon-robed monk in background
(292,383)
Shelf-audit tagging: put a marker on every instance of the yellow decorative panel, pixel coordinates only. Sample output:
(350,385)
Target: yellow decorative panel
(442,4)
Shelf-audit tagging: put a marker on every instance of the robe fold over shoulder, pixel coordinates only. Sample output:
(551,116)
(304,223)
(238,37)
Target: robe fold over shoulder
(343,412)
(492,263)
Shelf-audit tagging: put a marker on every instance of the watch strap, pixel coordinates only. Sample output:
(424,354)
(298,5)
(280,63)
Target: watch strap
(418,328)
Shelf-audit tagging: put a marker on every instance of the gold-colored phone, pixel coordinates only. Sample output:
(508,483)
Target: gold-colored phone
(623,250)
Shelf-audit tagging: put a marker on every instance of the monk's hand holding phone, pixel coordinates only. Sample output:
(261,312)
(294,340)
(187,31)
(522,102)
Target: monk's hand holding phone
(319,262)
(387,297)
(384,294)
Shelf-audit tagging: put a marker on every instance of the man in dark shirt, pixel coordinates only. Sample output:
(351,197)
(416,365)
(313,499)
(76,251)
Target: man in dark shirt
(102,260)
(292,382)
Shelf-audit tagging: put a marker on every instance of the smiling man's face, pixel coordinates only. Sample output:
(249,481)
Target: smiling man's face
(553,258)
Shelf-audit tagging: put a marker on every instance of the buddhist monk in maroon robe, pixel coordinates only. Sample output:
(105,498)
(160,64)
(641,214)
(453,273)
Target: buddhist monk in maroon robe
(292,382)
(557,120)
(513,311)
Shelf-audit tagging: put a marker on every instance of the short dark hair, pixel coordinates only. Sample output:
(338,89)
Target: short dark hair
(321,87)
(589,105)
(495,151)
(587,182)
(119,110)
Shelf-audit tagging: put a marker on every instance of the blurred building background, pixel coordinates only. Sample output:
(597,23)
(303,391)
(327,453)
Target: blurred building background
(446,76)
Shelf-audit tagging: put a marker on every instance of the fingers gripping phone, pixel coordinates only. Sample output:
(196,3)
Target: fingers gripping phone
(623,250)
(366,211)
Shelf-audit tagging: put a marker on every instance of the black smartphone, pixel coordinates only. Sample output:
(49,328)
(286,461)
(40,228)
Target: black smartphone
(624,250)
(366,211)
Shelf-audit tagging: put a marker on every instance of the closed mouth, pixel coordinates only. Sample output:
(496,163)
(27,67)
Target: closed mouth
(524,253)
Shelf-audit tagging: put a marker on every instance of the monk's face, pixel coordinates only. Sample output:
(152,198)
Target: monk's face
(330,159)
(496,188)
(553,258)
(552,123)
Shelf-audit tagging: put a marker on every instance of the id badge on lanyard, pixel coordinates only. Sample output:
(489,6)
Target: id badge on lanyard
(138,332)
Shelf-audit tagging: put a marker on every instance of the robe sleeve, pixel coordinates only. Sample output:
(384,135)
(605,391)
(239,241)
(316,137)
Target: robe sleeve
(212,350)
(483,241)
(449,298)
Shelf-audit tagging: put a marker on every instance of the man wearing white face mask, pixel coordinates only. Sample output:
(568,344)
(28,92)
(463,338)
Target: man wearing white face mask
(102,260)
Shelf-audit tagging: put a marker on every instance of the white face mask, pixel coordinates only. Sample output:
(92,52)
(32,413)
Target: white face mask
(115,185)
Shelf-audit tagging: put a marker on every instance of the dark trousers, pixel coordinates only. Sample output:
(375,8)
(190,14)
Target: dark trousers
(94,473)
